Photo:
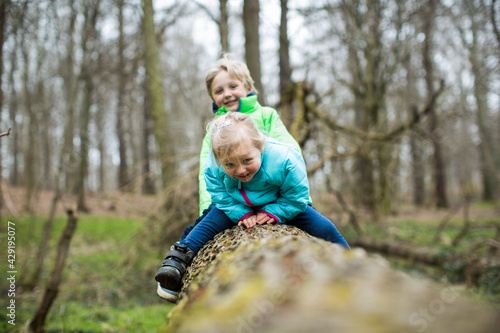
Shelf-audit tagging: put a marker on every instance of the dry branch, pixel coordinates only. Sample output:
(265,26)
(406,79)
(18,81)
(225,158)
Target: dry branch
(37,322)
(375,136)
(6,133)
(278,279)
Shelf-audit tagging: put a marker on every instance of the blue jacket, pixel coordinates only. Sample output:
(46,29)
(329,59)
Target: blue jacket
(267,120)
(279,188)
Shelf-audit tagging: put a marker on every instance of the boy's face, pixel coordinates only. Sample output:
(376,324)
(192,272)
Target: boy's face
(227,91)
(244,162)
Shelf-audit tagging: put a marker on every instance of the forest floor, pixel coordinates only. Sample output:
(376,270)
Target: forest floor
(132,204)
(108,282)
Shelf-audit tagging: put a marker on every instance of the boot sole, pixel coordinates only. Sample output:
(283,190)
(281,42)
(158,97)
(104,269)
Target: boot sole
(166,294)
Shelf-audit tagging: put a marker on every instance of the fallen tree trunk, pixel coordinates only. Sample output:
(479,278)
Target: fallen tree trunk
(469,267)
(279,279)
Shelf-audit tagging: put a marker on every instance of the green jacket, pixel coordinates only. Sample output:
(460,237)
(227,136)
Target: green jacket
(267,120)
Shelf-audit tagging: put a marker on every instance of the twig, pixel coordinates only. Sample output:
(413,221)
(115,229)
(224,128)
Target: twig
(37,322)
(466,227)
(486,242)
(376,136)
(6,133)
(445,221)
(352,216)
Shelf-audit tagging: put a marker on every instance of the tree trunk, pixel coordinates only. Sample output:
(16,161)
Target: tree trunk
(284,50)
(84,143)
(71,84)
(30,126)
(14,178)
(279,279)
(251,24)
(148,185)
(286,100)
(438,160)
(224,26)
(418,170)
(89,34)
(155,85)
(490,161)
(3,17)
(120,112)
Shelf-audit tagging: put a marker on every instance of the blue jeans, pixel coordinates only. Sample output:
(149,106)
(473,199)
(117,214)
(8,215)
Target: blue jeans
(216,221)
(188,229)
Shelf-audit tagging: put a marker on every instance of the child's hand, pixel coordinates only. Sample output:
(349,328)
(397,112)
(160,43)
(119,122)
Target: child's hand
(263,218)
(249,222)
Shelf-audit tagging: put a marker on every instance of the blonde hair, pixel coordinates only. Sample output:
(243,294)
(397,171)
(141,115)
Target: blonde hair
(235,68)
(229,130)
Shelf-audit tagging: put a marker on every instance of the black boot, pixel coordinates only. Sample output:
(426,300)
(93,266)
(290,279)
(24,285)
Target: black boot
(169,276)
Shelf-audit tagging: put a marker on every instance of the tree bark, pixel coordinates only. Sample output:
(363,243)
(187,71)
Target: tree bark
(89,36)
(71,84)
(251,24)
(120,112)
(14,178)
(286,100)
(418,169)
(284,50)
(490,157)
(155,86)
(3,16)
(224,26)
(279,279)
(148,185)
(29,124)
(440,187)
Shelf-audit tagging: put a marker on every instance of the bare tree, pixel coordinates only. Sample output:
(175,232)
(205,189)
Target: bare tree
(123,177)
(221,21)
(490,154)
(91,14)
(428,17)
(148,185)
(30,123)
(3,16)
(285,68)
(71,85)
(251,24)
(155,86)
(14,168)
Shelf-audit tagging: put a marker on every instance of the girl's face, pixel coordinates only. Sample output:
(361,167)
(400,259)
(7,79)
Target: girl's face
(244,162)
(227,91)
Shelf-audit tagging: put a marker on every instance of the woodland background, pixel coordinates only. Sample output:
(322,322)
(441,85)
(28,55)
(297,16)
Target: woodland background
(102,96)
(395,103)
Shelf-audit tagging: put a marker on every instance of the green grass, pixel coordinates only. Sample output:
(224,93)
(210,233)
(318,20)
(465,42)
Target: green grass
(108,283)
(73,317)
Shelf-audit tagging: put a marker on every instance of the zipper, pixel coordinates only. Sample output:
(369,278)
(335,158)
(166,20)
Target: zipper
(244,195)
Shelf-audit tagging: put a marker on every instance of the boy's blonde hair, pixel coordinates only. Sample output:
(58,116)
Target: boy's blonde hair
(235,68)
(229,130)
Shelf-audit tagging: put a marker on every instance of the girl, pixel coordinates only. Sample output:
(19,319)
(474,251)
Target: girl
(252,180)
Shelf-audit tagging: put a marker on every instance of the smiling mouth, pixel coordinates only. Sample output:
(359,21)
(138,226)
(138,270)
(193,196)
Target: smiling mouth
(230,102)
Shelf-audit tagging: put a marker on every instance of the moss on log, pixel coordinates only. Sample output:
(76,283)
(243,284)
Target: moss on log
(278,279)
